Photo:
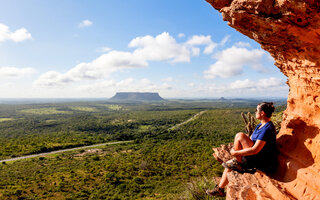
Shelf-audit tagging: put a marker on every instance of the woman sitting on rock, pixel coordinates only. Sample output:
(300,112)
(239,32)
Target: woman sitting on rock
(257,152)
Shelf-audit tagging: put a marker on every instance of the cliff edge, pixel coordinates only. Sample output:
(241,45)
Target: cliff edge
(290,31)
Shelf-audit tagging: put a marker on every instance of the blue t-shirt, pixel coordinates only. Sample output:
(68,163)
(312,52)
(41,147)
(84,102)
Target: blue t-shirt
(268,134)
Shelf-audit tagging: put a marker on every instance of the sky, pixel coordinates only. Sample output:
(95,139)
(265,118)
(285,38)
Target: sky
(93,49)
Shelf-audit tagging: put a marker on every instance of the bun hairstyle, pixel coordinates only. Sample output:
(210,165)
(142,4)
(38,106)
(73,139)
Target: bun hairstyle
(267,107)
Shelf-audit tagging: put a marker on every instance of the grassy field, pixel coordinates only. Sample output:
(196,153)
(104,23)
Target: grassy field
(6,119)
(114,107)
(85,109)
(45,111)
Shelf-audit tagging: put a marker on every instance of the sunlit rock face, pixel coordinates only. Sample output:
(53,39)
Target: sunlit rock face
(290,31)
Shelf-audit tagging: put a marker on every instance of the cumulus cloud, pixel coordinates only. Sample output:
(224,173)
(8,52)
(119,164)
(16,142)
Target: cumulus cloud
(270,82)
(53,78)
(16,36)
(202,40)
(13,72)
(230,62)
(163,47)
(264,87)
(97,69)
(85,23)
(242,84)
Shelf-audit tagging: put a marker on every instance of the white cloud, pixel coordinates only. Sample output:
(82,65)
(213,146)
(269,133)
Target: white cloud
(105,65)
(224,40)
(230,62)
(242,84)
(16,36)
(85,23)
(263,87)
(104,49)
(99,68)
(52,79)
(199,40)
(181,35)
(195,51)
(259,85)
(242,44)
(270,82)
(165,86)
(163,47)
(13,72)
(202,40)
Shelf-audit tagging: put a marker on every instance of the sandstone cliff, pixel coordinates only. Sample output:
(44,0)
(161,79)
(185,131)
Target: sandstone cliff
(290,31)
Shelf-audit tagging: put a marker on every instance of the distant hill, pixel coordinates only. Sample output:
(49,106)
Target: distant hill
(136,96)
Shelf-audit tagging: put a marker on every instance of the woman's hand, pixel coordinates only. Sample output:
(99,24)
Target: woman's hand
(233,152)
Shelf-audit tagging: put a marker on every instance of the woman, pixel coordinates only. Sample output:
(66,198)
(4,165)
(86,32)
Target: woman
(257,152)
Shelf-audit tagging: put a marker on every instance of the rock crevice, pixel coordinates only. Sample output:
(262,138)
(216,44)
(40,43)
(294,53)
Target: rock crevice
(290,31)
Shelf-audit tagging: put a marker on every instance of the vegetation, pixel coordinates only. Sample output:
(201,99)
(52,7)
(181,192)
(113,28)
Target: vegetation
(161,163)
(5,119)
(45,111)
(48,127)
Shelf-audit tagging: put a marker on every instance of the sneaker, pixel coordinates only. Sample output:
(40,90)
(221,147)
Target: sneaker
(217,192)
(234,165)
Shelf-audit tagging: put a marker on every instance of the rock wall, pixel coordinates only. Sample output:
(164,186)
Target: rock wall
(290,31)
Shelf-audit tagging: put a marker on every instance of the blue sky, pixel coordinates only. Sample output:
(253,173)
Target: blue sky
(80,49)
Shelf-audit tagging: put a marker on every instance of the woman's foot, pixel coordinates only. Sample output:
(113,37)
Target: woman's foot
(234,165)
(217,192)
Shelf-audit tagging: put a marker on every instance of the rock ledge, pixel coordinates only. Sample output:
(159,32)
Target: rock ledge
(290,31)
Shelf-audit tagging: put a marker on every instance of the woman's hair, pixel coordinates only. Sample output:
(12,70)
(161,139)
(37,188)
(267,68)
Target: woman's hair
(267,107)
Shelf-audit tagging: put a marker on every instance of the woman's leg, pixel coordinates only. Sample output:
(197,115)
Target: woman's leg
(224,179)
(219,191)
(242,141)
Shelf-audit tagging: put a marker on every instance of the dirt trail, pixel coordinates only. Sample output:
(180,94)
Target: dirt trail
(59,151)
(188,120)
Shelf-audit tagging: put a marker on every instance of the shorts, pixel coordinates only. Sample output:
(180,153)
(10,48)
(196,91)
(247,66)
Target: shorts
(265,164)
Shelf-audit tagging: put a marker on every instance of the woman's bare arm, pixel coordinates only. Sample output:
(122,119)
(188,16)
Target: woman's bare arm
(255,149)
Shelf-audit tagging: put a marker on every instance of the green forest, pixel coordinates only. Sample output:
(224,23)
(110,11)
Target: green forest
(164,158)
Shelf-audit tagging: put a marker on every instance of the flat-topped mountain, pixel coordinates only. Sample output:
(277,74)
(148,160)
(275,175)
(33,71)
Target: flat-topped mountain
(136,96)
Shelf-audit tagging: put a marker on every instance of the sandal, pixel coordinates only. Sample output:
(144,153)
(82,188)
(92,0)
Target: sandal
(217,192)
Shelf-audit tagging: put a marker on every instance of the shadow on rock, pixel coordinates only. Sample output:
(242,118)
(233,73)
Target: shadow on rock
(294,154)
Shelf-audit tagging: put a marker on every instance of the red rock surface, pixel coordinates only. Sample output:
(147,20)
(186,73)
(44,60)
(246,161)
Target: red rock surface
(290,31)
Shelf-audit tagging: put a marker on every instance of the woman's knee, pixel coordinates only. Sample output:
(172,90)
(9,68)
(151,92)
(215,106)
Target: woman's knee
(240,136)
